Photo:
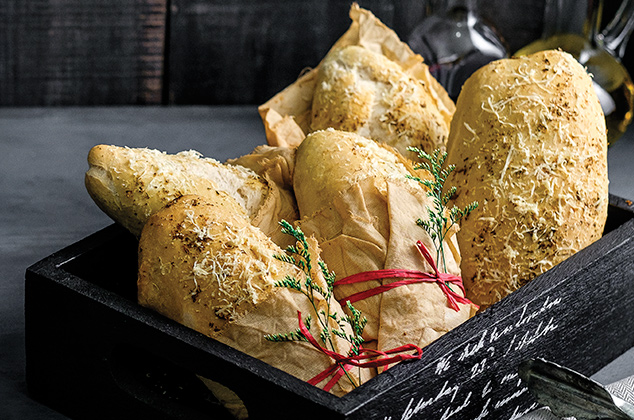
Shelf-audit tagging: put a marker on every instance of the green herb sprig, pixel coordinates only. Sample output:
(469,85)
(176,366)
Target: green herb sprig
(438,224)
(300,256)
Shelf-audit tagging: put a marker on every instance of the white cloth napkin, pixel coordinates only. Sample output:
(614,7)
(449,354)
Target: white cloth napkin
(623,389)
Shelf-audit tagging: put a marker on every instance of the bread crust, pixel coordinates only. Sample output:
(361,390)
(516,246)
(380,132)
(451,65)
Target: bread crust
(131,184)
(363,92)
(529,143)
(201,253)
(287,115)
(202,264)
(329,161)
(355,197)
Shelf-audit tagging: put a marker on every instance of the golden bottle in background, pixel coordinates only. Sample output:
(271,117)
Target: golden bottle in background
(573,26)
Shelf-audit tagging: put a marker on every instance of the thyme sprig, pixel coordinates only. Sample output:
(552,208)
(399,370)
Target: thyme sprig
(300,256)
(440,217)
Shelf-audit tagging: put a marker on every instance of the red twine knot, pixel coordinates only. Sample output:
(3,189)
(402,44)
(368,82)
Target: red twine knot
(409,277)
(345,363)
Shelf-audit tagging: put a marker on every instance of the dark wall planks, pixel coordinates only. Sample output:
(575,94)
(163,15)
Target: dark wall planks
(245,52)
(81,52)
(90,52)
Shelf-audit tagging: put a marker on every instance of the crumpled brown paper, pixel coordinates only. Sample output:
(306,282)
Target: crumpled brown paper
(287,115)
(370,227)
(204,265)
(275,165)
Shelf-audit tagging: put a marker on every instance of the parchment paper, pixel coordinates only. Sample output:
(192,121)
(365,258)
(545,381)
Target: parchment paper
(287,115)
(371,227)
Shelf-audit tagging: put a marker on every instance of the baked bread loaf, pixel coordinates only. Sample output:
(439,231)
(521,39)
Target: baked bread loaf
(131,184)
(202,264)
(354,196)
(529,143)
(287,116)
(333,160)
(364,92)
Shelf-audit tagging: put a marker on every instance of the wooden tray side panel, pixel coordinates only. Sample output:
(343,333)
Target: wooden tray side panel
(90,345)
(580,314)
(93,354)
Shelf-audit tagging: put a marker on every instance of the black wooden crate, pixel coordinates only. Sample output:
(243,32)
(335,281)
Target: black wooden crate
(93,353)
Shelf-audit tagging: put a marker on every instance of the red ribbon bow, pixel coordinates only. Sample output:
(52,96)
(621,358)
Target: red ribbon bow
(409,277)
(345,363)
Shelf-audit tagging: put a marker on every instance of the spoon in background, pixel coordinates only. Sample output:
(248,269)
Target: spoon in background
(570,394)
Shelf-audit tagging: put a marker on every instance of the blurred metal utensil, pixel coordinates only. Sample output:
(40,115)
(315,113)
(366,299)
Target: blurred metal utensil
(571,394)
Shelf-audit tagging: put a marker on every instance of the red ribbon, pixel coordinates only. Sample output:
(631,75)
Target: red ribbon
(409,277)
(345,363)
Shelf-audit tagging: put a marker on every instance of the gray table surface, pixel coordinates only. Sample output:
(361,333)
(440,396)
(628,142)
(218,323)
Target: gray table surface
(45,207)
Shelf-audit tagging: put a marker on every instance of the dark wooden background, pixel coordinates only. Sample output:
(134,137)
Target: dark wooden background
(146,52)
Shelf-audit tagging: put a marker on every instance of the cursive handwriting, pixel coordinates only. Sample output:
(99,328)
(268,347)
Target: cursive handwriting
(485,410)
(477,361)
(518,414)
(508,377)
(527,318)
(514,395)
(531,336)
(486,390)
(449,412)
(470,350)
(410,411)
(443,365)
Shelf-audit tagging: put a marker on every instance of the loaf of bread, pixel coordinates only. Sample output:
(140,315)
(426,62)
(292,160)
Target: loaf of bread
(529,143)
(354,196)
(202,264)
(131,184)
(364,92)
(333,160)
(288,116)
